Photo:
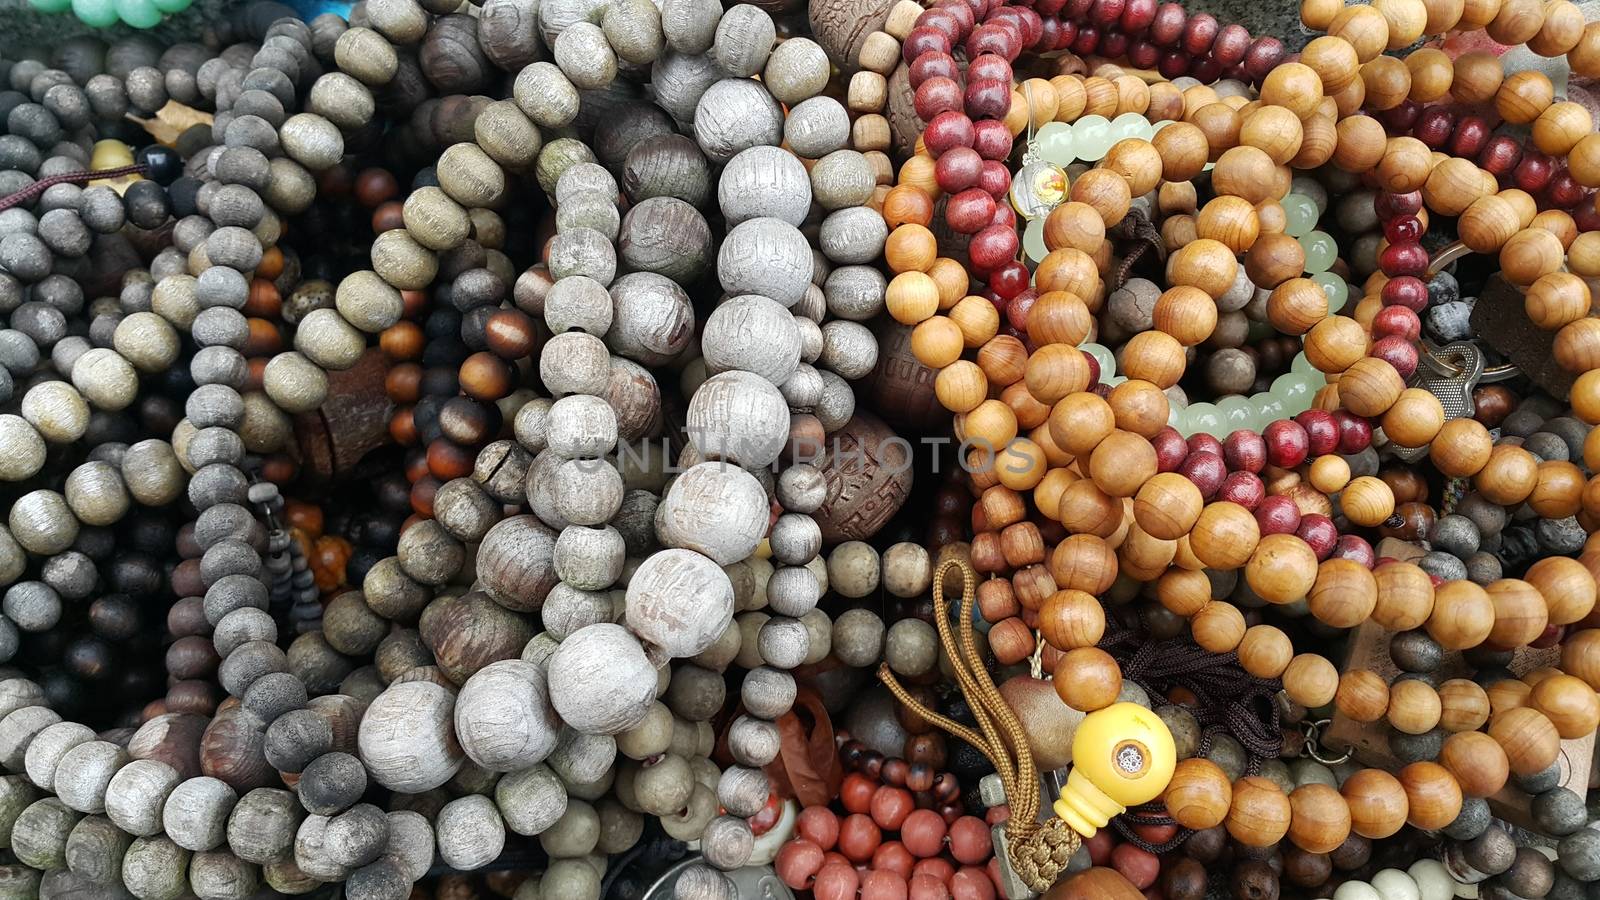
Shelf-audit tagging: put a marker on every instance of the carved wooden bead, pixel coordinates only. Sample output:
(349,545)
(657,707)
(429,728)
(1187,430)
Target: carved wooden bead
(601,654)
(17,731)
(716,510)
(220,875)
(764,182)
(406,738)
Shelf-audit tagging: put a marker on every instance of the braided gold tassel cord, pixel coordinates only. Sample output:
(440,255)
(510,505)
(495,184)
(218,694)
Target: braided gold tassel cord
(1038,851)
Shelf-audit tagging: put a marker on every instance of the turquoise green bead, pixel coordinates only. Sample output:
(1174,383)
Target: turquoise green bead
(1033,240)
(1301,214)
(50,6)
(1238,412)
(1321,251)
(1302,365)
(95,13)
(172,6)
(138,13)
(1102,355)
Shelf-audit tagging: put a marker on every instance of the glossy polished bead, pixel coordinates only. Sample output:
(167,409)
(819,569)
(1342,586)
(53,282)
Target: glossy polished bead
(1403,259)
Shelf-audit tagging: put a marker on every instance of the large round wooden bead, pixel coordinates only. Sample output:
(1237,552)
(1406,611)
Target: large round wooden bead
(1320,818)
(739,417)
(1529,739)
(196,813)
(1378,804)
(601,681)
(470,832)
(503,718)
(407,740)
(1362,695)
(84,772)
(716,510)
(678,603)
(1433,798)
(515,563)
(137,793)
(1282,569)
(1225,536)
(1199,794)
(735,114)
(1259,813)
(1476,761)
(1462,617)
(1569,704)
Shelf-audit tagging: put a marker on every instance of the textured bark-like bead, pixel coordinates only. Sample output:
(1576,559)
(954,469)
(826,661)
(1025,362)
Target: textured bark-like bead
(155,867)
(504,719)
(652,318)
(716,510)
(735,114)
(137,794)
(406,738)
(531,800)
(764,182)
(739,417)
(600,680)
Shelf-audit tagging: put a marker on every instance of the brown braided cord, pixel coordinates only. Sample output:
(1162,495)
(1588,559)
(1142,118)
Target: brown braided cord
(1039,852)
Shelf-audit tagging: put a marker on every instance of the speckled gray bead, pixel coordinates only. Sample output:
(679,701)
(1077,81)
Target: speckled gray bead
(531,800)
(735,114)
(842,179)
(855,292)
(764,182)
(585,57)
(848,348)
(740,417)
(743,40)
(545,95)
(817,127)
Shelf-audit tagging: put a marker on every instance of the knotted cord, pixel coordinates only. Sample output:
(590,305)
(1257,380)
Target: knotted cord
(1039,851)
(32,191)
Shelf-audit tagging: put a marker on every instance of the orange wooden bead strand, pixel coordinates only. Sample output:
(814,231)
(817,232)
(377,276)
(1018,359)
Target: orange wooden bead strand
(1433,798)
(1509,476)
(1199,794)
(1275,131)
(1076,225)
(1056,371)
(1083,562)
(1461,448)
(1072,619)
(1259,813)
(1204,263)
(1319,818)
(1247,172)
(911,297)
(1059,317)
(1476,761)
(1225,536)
(1520,614)
(1344,593)
(1140,407)
(1377,801)
(1362,695)
(1311,680)
(1153,356)
(1567,587)
(1294,86)
(1296,306)
(1414,419)
(1187,313)
(1232,221)
(1528,737)
(961,386)
(1265,651)
(1079,422)
(907,203)
(1122,463)
(1367,500)
(1414,707)
(1370,386)
(1218,627)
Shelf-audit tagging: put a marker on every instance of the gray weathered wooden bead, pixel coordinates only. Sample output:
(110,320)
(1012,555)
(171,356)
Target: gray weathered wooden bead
(817,127)
(515,562)
(735,114)
(434,220)
(469,833)
(545,95)
(503,717)
(768,257)
(582,179)
(668,237)
(83,773)
(39,837)
(147,341)
(233,592)
(23,448)
(137,794)
(508,33)
(580,758)
(539,649)
(32,606)
(402,262)
(663,785)
(275,693)
(342,100)
(531,800)
(356,836)
(855,292)
(311,853)
(743,791)
(678,603)
(501,469)
(690,26)
(652,319)
(105,379)
(262,825)
(620,827)
(578,302)
(841,180)
(570,609)
(764,182)
(465,509)
(589,209)
(331,783)
(633,29)
(250,662)
(381,879)
(701,882)
(48,746)
(853,235)
(752,333)
(583,251)
(585,57)
(294,382)
(367,301)
(152,473)
(739,417)
(410,843)
(727,843)
(16,794)
(401,21)
(406,738)
(17,692)
(570,878)
(391,593)
(428,554)
(241,626)
(753,742)
(581,426)
(667,165)
(600,680)
(783,642)
(797,70)
(196,813)
(680,79)
(587,491)
(848,348)
(154,868)
(796,540)
(574,834)
(804,388)
(717,510)
(285,877)
(470,177)
(589,559)
(94,851)
(219,875)
(327,340)
(17,731)
(57,411)
(649,737)
(744,38)
(695,694)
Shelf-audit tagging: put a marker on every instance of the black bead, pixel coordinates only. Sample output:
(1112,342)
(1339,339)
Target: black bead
(161,164)
(147,204)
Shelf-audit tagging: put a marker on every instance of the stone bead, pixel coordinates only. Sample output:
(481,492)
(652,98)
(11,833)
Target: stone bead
(858,637)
